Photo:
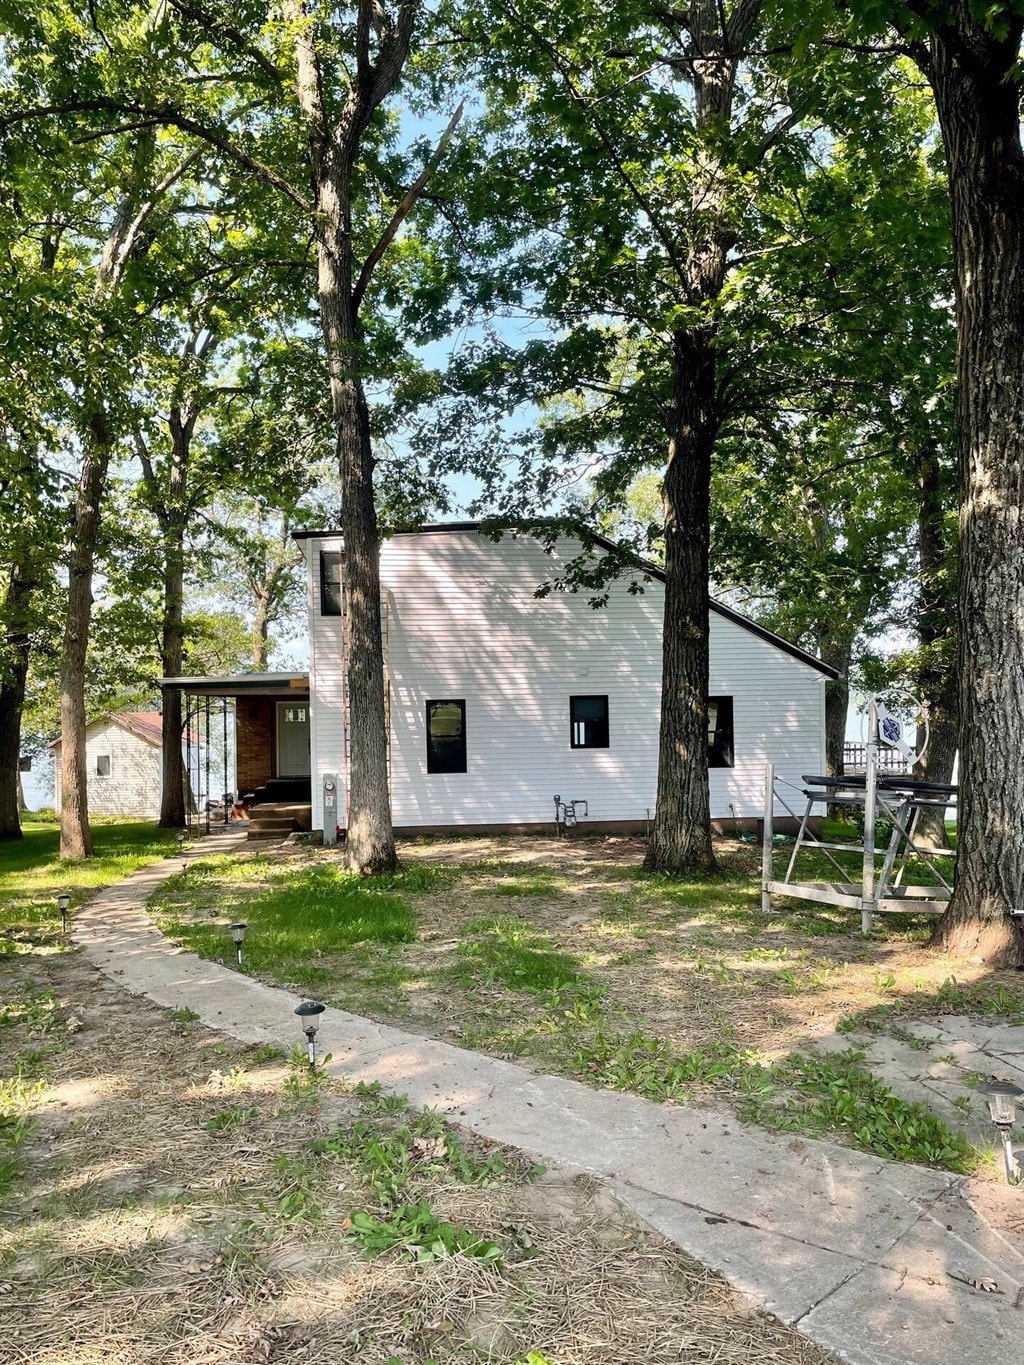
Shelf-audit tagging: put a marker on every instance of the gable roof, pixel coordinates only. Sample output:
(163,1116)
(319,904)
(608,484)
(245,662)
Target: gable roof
(651,570)
(147,725)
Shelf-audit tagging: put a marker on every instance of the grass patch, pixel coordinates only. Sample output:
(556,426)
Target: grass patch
(837,1093)
(508,953)
(31,873)
(296,924)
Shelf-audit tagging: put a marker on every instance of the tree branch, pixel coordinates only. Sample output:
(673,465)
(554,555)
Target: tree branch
(403,209)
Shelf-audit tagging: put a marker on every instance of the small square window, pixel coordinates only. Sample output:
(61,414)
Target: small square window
(295,715)
(446,736)
(588,722)
(720,735)
(102,765)
(330,582)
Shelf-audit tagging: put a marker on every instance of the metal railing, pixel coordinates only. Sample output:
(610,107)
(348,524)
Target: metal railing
(855,759)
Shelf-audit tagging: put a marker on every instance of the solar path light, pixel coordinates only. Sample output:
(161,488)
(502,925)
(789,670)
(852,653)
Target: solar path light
(309,1013)
(63,901)
(1002,1099)
(238,934)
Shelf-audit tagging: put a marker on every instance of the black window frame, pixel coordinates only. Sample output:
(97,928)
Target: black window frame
(603,740)
(328,605)
(433,765)
(722,749)
(103,758)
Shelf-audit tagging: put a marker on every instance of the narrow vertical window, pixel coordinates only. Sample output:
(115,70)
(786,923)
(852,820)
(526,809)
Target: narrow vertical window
(330,582)
(102,765)
(446,736)
(720,735)
(588,722)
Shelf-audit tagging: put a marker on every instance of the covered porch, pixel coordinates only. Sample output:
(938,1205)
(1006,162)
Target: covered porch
(257,747)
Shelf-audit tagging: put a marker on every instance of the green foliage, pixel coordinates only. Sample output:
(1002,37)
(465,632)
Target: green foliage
(418,1233)
(229,1120)
(837,1093)
(390,1159)
(298,920)
(507,953)
(31,873)
(636,1061)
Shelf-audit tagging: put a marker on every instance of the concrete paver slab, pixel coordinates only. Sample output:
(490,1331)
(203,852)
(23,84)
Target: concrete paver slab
(854,1249)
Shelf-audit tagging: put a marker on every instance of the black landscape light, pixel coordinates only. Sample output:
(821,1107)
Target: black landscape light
(238,934)
(309,1013)
(63,901)
(1002,1099)
(182,838)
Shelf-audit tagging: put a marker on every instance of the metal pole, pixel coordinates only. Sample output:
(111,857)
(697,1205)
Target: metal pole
(224,789)
(207,763)
(767,837)
(188,760)
(867,890)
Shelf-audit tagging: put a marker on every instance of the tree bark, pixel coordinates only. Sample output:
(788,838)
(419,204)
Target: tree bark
(837,653)
(17,606)
(334,153)
(370,840)
(75,835)
(977,93)
(681,839)
(172,648)
(97,446)
(938,683)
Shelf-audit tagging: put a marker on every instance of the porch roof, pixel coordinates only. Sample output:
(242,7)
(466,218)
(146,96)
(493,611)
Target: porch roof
(242,684)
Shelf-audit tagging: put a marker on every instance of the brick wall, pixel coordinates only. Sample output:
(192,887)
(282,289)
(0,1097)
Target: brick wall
(254,721)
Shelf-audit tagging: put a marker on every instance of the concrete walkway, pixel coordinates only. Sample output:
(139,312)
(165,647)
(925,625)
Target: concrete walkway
(857,1252)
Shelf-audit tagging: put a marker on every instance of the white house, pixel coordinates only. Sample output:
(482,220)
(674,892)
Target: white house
(500,700)
(122,764)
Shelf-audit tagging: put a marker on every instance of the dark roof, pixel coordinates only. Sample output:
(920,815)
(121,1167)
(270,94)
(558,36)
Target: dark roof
(652,570)
(277,684)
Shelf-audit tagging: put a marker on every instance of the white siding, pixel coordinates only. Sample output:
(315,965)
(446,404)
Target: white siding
(463,622)
(133,787)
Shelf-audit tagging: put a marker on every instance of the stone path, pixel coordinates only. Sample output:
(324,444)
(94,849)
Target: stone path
(857,1252)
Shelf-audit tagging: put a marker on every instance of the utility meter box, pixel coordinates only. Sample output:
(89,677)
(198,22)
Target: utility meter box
(330,808)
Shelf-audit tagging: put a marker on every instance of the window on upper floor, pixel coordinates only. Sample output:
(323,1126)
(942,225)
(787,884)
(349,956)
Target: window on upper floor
(102,765)
(446,736)
(588,722)
(330,582)
(720,736)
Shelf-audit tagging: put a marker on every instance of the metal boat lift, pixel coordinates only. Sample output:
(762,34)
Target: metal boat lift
(881,795)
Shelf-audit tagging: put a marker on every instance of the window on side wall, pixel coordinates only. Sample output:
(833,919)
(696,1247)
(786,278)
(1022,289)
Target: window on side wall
(446,736)
(720,736)
(102,765)
(588,722)
(330,582)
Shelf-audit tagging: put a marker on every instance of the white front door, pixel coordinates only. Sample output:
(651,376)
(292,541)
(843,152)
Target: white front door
(292,739)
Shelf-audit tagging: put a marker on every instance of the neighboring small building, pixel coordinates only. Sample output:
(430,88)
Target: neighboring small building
(122,764)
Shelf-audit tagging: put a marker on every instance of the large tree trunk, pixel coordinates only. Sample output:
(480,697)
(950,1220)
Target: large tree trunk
(75,836)
(172,647)
(17,604)
(837,653)
(978,100)
(681,839)
(938,683)
(370,840)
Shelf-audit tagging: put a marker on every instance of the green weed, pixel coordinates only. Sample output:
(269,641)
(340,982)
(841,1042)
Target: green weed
(508,953)
(418,1233)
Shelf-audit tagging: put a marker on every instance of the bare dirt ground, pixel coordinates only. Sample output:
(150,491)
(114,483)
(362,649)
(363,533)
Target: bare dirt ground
(169,1209)
(696,964)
